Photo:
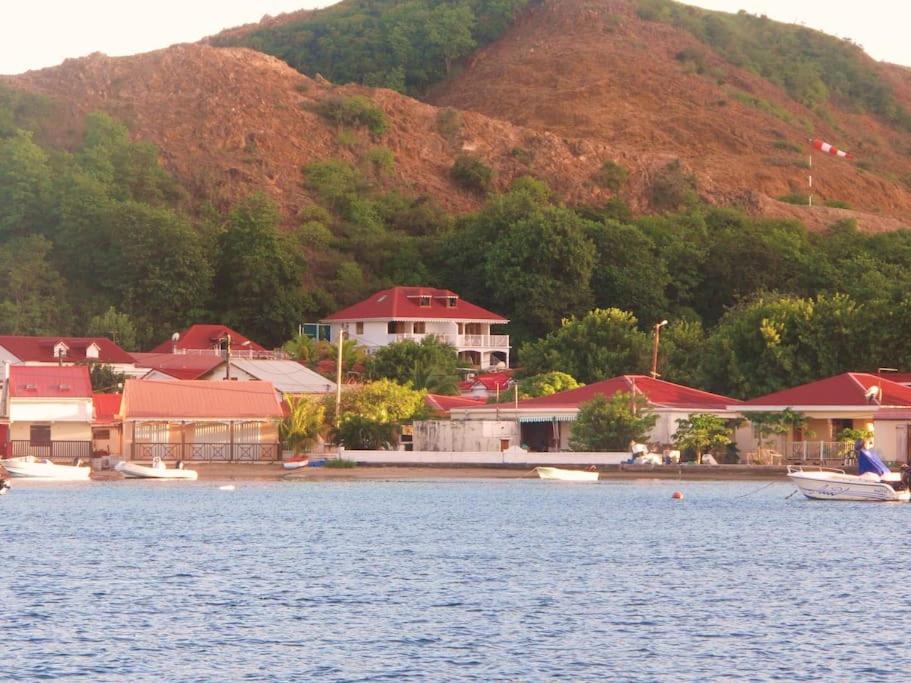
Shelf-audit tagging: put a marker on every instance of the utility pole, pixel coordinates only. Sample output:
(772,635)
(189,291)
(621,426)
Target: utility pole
(338,377)
(810,181)
(228,356)
(658,327)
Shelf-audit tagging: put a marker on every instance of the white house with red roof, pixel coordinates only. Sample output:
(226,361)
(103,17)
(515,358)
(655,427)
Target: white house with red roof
(545,423)
(401,313)
(46,411)
(206,339)
(853,400)
(21,350)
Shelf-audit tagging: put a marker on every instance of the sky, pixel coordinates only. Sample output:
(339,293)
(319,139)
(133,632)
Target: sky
(40,33)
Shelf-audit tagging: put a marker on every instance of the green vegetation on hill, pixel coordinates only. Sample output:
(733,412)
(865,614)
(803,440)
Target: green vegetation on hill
(406,45)
(811,66)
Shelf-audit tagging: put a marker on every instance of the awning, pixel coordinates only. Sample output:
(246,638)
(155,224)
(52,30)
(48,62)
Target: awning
(547,418)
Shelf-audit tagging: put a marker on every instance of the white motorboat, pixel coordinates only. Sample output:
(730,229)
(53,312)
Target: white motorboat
(158,470)
(29,467)
(822,483)
(296,462)
(566,475)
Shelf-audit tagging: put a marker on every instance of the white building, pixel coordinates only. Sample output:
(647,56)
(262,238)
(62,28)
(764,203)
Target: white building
(401,313)
(37,351)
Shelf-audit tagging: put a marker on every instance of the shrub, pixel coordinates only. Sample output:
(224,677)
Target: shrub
(612,175)
(795,198)
(356,110)
(347,138)
(341,463)
(363,434)
(449,123)
(673,187)
(472,173)
(837,204)
(787,146)
(381,160)
(522,155)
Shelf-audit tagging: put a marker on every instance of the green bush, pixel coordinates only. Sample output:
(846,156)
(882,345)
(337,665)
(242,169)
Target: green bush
(355,110)
(787,146)
(471,173)
(449,123)
(795,198)
(612,175)
(837,204)
(341,463)
(673,187)
(381,160)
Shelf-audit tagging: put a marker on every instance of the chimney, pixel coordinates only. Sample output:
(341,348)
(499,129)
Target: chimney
(174,339)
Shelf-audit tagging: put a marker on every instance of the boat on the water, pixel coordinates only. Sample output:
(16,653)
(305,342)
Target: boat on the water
(296,462)
(158,470)
(29,467)
(821,483)
(566,475)
(4,487)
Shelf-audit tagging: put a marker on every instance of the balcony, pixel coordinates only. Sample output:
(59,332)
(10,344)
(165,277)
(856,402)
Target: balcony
(460,341)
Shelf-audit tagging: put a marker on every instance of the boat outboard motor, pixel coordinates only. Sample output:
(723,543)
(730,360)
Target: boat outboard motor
(906,478)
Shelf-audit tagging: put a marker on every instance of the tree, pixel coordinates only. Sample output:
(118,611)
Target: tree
(24,184)
(363,434)
(602,344)
(105,380)
(431,365)
(302,348)
(547,384)
(116,325)
(301,427)
(611,424)
(32,293)
(380,401)
(257,275)
(702,431)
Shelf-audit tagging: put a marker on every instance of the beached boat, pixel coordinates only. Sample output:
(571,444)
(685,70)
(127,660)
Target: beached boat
(820,483)
(158,470)
(566,475)
(296,462)
(29,467)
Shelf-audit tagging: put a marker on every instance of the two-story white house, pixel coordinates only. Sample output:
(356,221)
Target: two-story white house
(401,313)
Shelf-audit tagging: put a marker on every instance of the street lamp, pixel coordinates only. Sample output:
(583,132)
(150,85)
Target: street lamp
(658,327)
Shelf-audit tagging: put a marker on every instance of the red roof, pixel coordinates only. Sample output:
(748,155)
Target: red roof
(49,381)
(899,377)
(847,389)
(405,303)
(199,399)
(41,349)
(660,394)
(443,404)
(106,406)
(207,337)
(179,365)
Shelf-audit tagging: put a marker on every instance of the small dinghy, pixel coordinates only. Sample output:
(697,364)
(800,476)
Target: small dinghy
(296,462)
(29,467)
(4,487)
(158,470)
(566,475)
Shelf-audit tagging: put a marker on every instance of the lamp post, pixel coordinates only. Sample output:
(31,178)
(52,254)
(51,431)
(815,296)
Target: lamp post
(658,327)
(338,377)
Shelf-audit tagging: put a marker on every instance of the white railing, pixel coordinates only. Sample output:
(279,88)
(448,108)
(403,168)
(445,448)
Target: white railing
(239,354)
(460,341)
(821,451)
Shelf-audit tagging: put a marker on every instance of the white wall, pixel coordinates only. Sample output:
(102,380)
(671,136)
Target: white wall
(891,439)
(464,436)
(50,410)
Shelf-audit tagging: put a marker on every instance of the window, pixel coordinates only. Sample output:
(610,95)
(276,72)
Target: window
(452,301)
(424,301)
(395,327)
(359,328)
(101,434)
(39,435)
(92,351)
(420,328)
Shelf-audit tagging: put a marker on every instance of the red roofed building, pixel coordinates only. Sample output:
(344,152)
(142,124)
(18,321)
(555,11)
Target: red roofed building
(211,338)
(545,423)
(18,350)
(201,420)
(46,411)
(177,365)
(401,313)
(107,430)
(850,401)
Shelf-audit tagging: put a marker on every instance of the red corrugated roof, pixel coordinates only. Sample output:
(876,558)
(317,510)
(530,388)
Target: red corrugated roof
(847,389)
(199,399)
(206,337)
(49,381)
(443,404)
(899,377)
(660,394)
(179,365)
(106,406)
(41,349)
(401,303)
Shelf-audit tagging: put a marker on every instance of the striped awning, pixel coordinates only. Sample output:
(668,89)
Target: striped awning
(547,418)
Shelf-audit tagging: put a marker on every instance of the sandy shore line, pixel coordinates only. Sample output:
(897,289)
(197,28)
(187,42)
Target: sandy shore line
(275,472)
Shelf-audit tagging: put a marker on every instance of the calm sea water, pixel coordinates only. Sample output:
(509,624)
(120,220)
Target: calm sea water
(450,580)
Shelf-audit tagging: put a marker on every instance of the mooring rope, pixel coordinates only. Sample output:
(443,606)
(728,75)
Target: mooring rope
(757,490)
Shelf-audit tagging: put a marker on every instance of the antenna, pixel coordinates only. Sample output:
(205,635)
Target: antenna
(873,393)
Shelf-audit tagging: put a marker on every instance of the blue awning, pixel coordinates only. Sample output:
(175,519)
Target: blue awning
(547,418)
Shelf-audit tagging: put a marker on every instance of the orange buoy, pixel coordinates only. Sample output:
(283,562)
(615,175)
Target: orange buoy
(677,495)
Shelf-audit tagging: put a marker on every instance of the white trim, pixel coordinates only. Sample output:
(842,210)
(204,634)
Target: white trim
(497,321)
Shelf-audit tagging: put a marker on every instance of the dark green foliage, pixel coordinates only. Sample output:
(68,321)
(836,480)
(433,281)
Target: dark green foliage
(449,123)
(787,146)
(430,365)
(355,110)
(32,293)
(612,175)
(358,433)
(795,198)
(105,380)
(812,66)
(672,188)
(611,423)
(406,45)
(837,204)
(116,326)
(472,173)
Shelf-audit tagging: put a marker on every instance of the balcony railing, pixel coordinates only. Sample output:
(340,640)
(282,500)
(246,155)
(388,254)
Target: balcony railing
(236,353)
(53,450)
(460,341)
(207,452)
(821,452)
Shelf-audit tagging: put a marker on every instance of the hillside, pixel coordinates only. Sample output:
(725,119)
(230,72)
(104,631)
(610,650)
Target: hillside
(230,121)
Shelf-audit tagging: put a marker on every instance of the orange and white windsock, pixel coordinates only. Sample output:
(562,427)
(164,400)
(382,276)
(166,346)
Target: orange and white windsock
(823,146)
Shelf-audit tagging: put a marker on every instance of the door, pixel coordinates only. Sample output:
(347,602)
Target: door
(902,447)
(4,439)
